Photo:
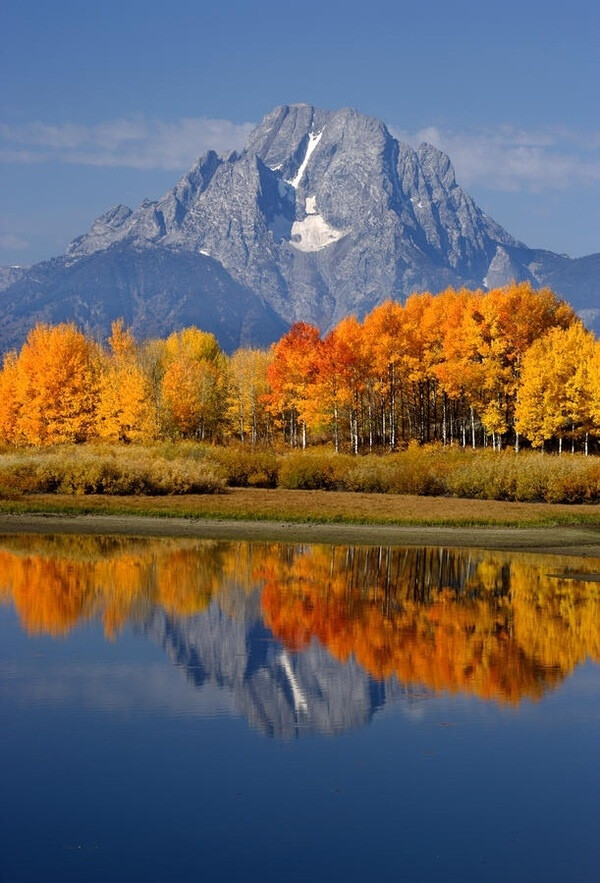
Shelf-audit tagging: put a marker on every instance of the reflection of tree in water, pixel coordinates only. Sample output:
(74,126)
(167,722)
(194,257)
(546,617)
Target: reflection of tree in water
(490,624)
(483,623)
(57,582)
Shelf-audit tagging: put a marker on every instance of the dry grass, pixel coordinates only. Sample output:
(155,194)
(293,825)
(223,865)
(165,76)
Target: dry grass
(483,477)
(316,506)
(105,469)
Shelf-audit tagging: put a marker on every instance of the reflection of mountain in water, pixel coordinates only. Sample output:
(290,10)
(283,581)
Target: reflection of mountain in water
(281,693)
(316,638)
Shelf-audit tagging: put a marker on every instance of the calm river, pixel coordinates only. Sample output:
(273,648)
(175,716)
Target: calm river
(199,710)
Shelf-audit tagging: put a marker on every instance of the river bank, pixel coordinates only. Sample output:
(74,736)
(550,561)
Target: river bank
(317,517)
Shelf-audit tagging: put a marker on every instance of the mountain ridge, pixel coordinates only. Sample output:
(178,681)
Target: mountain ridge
(324,213)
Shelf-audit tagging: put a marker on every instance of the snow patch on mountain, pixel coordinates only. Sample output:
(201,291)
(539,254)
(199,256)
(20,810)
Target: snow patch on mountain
(314,233)
(313,140)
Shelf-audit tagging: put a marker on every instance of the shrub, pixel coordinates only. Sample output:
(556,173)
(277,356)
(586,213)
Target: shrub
(105,470)
(315,470)
(243,468)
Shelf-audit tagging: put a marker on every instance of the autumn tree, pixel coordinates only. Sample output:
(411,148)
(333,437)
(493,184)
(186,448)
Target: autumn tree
(247,390)
(594,387)
(339,370)
(290,374)
(510,319)
(9,405)
(555,397)
(55,380)
(126,409)
(384,345)
(193,385)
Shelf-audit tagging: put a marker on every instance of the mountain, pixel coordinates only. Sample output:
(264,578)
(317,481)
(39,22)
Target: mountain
(323,214)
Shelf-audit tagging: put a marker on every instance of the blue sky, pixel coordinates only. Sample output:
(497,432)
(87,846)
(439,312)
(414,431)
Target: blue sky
(111,102)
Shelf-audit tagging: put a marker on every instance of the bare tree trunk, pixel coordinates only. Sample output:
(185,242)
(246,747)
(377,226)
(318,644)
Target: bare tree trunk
(444,430)
(336,429)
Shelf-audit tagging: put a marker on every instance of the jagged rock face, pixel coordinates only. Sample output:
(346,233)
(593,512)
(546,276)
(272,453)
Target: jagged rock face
(155,290)
(324,214)
(321,215)
(10,275)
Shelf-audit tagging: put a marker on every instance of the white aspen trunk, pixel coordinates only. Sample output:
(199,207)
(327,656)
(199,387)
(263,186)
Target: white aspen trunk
(303,435)
(472,428)
(444,436)
(336,429)
(393,410)
(516,442)
(253,427)
(559,445)
(586,448)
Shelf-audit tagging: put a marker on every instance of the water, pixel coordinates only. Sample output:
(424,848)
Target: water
(177,710)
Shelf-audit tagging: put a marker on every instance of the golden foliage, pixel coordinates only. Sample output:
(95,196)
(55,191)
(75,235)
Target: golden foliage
(460,367)
(52,387)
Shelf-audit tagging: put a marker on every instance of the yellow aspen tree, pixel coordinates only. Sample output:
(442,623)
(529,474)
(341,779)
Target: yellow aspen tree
(553,398)
(194,384)
(513,317)
(384,341)
(9,405)
(126,410)
(247,389)
(56,386)
(594,387)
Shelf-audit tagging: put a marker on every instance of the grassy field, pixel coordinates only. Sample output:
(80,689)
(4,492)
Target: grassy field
(318,507)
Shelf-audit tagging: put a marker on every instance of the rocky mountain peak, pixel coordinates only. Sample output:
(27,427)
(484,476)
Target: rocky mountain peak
(323,213)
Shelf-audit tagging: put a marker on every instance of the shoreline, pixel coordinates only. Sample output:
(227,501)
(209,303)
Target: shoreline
(570,540)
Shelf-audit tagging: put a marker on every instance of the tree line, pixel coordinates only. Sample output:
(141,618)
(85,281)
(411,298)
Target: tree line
(461,367)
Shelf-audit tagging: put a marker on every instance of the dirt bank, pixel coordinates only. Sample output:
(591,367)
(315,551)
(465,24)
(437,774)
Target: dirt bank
(581,541)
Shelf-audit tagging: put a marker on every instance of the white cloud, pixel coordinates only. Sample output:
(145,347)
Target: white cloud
(511,159)
(503,158)
(136,142)
(13,242)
